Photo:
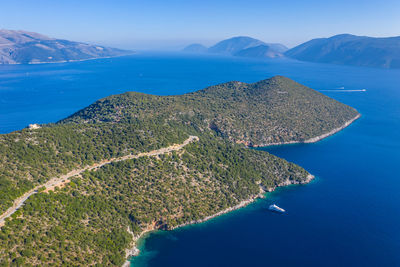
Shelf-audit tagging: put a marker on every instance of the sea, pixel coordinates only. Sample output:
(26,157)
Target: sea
(348,216)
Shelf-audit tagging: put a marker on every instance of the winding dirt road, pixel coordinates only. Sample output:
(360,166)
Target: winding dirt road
(57,181)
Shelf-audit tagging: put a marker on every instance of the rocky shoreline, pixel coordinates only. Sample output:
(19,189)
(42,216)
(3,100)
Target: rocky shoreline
(238,206)
(134,251)
(314,139)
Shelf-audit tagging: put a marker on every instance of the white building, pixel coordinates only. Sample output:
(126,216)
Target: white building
(34,126)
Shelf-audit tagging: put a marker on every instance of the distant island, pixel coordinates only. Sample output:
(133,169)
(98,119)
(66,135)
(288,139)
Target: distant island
(22,47)
(83,190)
(347,49)
(344,49)
(241,46)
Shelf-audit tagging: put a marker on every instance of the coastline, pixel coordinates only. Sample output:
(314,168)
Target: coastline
(66,61)
(317,138)
(134,250)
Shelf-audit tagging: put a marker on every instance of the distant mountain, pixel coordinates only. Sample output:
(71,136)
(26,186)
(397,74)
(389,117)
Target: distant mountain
(261,51)
(349,49)
(196,48)
(242,46)
(233,45)
(29,47)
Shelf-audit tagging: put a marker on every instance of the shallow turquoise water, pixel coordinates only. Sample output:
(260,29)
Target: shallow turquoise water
(349,216)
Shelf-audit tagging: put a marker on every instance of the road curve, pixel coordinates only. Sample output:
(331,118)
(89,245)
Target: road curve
(55,181)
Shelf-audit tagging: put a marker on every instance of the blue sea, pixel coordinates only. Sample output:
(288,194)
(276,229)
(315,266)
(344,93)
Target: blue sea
(348,216)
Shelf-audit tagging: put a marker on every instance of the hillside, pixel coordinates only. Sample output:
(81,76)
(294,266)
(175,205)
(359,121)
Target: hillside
(89,221)
(241,46)
(96,215)
(28,47)
(261,51)
(349,49)
(270,111)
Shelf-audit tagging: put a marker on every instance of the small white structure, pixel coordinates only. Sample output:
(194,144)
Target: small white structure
(34,126)
(275,208)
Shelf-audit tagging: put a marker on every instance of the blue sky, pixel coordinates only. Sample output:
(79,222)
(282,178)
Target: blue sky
(171,24)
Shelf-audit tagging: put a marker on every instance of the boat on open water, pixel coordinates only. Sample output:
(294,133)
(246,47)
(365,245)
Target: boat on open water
(275,208)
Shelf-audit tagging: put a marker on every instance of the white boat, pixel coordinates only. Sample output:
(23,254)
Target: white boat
(274,207)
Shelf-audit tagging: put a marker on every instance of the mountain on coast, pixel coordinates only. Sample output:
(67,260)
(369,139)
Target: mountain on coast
(22,47)
(242,46)
(347,49)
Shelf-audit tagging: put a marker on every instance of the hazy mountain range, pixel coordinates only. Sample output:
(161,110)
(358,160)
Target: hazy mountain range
(342,49)
(241,46)
(29,47)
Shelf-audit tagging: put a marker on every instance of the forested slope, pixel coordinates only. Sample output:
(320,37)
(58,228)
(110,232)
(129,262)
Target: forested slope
(88,221)
(269,111)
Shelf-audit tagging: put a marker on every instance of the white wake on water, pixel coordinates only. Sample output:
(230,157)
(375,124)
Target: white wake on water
(343,91)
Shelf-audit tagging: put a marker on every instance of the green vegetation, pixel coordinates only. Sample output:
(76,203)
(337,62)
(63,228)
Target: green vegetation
(87,221)
(31,157)
(270,111)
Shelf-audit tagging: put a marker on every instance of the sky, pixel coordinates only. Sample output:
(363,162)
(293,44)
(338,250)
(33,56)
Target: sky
(172,24)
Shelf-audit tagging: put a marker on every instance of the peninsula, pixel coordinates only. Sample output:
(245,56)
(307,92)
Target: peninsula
(348,49)
(23,47)
(133,162)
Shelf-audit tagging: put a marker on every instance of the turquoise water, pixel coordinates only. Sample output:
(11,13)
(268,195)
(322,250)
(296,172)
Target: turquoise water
(349,216)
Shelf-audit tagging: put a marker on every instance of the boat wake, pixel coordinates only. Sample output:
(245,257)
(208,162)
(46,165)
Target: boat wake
(344,91)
